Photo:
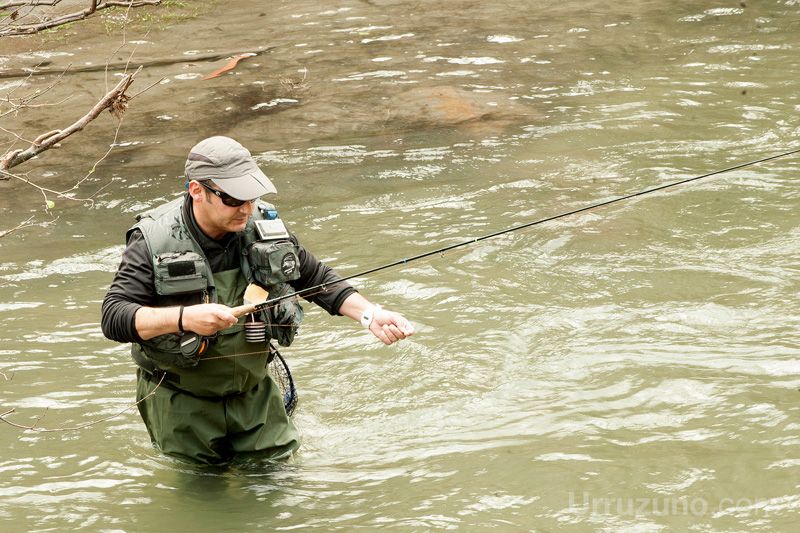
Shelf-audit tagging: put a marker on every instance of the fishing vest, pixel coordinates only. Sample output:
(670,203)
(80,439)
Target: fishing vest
(182,276)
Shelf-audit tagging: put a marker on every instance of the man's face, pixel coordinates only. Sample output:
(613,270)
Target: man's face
(214,217)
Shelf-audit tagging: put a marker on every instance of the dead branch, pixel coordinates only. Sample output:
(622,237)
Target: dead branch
(25,101)
(25,224)
(94,167)
(21,225)
(58,194)
(119,65)
(16,107)
(79,426)
(115,100)
(14,134)
(31,3)
(94,6)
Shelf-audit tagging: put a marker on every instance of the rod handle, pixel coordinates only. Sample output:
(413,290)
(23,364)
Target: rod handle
(246,309)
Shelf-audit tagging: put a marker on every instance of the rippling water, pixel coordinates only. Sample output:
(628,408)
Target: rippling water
(630,368)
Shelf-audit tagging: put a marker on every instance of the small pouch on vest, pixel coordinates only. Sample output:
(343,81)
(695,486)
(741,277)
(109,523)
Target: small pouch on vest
(179,273)
(274,262)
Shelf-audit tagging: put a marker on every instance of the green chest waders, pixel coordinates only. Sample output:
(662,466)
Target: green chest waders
(227,404)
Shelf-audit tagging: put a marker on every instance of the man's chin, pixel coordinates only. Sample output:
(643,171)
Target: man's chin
(236,227)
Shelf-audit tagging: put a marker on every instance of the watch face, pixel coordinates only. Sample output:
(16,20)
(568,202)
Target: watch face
(366,317)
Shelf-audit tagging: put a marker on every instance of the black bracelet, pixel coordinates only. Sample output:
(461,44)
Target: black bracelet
(180,321)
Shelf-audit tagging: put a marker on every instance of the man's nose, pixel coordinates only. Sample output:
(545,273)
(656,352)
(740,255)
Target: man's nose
(247,207)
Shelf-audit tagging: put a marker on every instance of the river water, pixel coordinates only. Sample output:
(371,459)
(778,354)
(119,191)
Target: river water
(631,368)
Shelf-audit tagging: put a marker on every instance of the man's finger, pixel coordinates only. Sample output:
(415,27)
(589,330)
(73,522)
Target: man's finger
(398,332)
(387,329)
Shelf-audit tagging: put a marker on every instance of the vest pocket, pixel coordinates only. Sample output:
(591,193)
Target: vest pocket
(179,273)
(274,262)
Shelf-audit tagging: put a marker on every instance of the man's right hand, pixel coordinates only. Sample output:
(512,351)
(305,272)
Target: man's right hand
(205,319)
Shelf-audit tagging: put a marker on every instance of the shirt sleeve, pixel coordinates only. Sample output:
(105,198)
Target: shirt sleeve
(131,289)
(314,272)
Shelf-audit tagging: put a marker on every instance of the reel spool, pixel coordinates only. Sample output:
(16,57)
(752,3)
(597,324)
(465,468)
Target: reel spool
(255,331)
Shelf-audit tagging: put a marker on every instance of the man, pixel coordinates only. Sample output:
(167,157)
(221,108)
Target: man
(202,384)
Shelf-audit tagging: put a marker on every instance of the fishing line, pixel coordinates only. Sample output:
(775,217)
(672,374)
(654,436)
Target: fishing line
(280,363)
(85,425)
(322,287)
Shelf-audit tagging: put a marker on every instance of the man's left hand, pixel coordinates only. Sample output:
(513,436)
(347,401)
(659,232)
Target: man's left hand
(390,327)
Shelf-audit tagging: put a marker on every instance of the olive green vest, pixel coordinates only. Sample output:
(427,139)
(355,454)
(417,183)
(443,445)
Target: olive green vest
(182,276)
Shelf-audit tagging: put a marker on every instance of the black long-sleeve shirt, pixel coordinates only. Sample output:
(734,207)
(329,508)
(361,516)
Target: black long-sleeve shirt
(134,287)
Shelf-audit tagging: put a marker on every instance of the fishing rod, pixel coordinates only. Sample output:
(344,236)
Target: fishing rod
(407,260)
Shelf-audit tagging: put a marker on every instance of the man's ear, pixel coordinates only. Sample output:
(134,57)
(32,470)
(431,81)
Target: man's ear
(195,191)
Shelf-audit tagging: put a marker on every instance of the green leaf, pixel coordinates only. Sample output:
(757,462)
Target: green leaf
(50,204)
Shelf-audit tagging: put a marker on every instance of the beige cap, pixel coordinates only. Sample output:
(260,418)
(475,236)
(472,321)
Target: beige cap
(229,165)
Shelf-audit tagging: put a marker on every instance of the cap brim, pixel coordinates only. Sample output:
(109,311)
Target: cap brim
(249,186)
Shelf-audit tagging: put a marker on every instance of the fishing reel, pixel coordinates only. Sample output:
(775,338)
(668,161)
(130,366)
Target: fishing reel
(194,345)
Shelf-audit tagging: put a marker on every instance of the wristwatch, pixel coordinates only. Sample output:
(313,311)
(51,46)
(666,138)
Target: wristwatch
(368,314)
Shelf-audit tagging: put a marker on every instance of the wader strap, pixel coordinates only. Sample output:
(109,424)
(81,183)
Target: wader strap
(167,379)
(154,374)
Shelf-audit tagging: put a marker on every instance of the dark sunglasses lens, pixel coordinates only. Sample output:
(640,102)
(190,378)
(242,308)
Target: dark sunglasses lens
(226,199)
(230,201)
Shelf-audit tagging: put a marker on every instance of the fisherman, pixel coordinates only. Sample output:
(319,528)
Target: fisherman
(203,388)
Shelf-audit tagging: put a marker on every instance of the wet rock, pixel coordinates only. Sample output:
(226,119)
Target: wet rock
(450,106)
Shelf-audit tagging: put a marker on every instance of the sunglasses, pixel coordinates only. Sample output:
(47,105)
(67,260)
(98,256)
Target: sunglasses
(226,198)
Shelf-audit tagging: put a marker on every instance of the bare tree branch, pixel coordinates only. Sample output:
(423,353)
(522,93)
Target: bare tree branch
(94,6)
(32,3)
(24,224)
(59,194)
(21,225)
(24,101)
(216,56)
(94,167)
(115,101)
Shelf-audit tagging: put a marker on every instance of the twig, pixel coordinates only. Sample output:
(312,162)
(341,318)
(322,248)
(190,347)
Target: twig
(23,102)
(79,426)
(147,88)
(94,167)
(98,191)
(26,29)
(118,48)
(115,101)
(26,224)
(43,190)
(21,225)
(15,107)
(14,134)
(32,3)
